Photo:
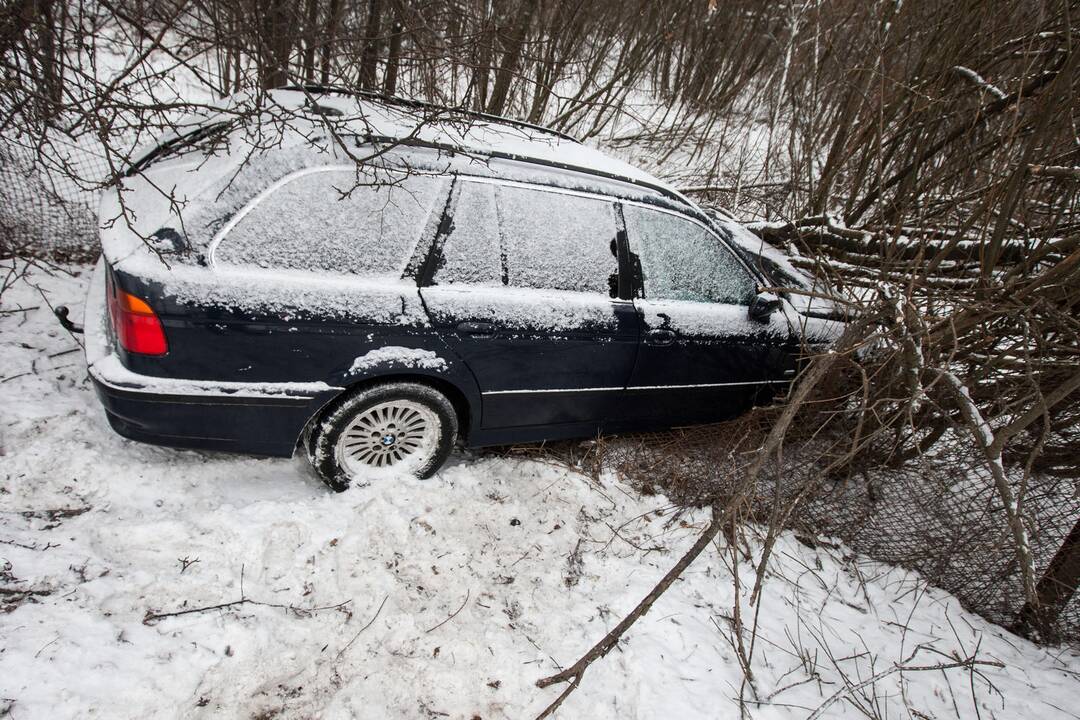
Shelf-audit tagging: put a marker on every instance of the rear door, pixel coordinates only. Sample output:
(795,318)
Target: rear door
(701,357)
(520,283)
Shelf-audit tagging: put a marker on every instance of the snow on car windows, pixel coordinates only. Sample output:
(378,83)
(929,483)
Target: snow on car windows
(313,222)
(556,241)
(470,254)
(680,260)
(537,239)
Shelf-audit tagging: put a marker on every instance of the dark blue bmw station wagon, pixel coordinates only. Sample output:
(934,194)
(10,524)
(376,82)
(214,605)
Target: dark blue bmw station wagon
(375,281)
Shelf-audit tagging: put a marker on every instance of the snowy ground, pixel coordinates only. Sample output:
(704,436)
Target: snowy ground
(420,599)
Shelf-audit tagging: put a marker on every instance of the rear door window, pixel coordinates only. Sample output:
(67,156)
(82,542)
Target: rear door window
(681,260)
(557,241)
(334,221)
(529,238)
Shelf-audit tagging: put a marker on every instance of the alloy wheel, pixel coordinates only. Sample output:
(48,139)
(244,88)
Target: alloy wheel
(396,433)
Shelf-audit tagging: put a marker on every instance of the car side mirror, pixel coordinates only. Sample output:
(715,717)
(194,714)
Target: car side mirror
(762,307)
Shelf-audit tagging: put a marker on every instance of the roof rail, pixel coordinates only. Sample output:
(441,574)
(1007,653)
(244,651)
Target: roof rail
(314,88)
(444,147)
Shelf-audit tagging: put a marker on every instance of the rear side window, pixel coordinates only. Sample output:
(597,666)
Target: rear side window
(332,221)
(529,238)
(681,260)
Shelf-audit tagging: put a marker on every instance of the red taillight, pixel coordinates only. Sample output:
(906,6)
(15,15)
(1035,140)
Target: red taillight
(137,327)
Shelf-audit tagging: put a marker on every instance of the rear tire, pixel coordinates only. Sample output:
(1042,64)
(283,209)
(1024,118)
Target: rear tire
(384,429)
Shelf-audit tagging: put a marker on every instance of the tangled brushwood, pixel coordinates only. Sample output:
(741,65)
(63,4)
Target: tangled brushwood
(931,179)
(907,444)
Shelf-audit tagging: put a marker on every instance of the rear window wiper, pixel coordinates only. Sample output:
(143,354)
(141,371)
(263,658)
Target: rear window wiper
(174,145)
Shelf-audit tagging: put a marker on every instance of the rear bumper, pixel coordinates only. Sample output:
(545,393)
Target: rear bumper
(256,425)
(256,418)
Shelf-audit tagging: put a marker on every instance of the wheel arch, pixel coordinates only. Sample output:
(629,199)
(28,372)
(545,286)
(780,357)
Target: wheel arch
(466,409)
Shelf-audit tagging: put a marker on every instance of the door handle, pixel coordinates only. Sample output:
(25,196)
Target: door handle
(478,329)
(660,337)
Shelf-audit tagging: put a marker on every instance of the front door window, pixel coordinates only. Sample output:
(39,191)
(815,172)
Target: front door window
(681,260)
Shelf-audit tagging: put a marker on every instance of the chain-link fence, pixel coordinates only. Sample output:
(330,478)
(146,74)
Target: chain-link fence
(45,214)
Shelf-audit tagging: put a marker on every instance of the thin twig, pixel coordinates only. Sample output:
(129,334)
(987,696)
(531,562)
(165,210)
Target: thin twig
(369,623)
(453,614)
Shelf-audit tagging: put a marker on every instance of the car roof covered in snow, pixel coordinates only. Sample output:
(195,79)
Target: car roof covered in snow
(355,118)
(187,186)
(396,121)
(217,160)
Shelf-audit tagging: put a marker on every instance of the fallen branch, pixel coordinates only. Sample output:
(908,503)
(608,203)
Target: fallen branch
(573,673)
(152,617)
(366,626)
(34,546)
(1058,172)
(453,614)
(977,80)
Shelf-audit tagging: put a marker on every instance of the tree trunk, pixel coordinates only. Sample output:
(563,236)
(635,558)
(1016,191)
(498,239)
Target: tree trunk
(333,19)
(393,56)
(225,38)
(511,58)
(237,67)
(51,72)
(369,59)
(310,34)
(226,68)
(486,49)
(277,42)
(1056,587)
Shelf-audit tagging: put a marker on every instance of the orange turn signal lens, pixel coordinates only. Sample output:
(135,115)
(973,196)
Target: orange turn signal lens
(130,303)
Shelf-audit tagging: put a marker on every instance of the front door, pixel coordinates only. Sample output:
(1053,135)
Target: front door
(701,357)
(520,290)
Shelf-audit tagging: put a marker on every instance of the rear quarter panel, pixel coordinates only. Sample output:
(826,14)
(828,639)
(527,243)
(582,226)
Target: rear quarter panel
(252,326)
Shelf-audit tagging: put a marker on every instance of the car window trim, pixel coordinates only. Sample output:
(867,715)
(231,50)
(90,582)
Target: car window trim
(627,388)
